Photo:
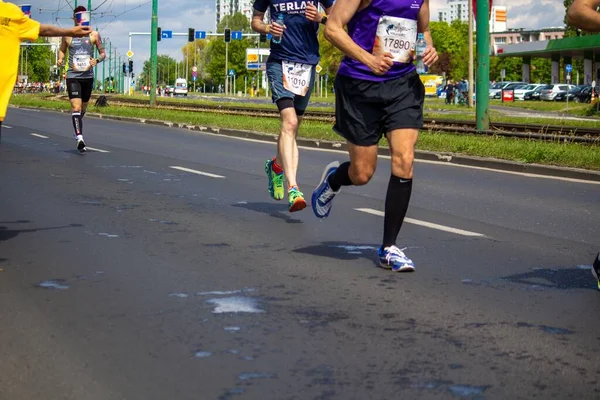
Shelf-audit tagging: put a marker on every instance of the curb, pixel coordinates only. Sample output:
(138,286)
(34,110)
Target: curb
(449,158)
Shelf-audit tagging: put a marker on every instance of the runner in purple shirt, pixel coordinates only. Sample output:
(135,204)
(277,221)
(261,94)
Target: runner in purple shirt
(378,92)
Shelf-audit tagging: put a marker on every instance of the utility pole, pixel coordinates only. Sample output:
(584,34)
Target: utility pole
(483,65)
(153,56)
(471,66)
(226,67)
(104,70)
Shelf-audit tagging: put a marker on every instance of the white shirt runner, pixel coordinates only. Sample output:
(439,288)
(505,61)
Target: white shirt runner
(396,36)
(296,77)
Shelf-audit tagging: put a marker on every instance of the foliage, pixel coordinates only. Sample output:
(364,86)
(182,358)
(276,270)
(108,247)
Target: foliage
(38,62)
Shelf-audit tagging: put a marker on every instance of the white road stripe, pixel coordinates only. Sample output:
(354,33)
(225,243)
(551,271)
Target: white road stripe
(95,149)
(38,135)
(7,127)
(193,171)
(425,224)
(444,163)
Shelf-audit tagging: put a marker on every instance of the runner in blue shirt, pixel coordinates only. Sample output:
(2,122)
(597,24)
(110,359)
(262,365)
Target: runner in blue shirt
(291,74)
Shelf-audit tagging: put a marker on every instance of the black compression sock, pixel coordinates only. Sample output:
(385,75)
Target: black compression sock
(76,118)
(340,177)
(396,205)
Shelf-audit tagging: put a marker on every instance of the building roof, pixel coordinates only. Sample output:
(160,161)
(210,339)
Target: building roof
(566,47)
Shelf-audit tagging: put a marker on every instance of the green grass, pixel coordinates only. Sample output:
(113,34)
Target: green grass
(526,151)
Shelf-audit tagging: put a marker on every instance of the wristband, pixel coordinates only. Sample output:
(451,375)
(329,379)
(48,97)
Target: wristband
(268,28)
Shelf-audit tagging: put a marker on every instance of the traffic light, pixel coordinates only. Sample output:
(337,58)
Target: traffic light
(158,34)
(130,65)
(124,68)
(191,34)
(227,35)
(263,37)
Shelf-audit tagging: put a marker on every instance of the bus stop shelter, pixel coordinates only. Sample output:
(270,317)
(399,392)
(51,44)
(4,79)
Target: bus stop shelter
(567,49)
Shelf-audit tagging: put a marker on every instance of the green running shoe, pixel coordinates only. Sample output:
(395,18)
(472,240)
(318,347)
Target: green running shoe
(276,189)
(296,200)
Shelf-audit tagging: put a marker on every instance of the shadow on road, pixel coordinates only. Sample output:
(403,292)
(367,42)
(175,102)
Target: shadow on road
(7,234)
(571,278)
(342,251)
(274,210)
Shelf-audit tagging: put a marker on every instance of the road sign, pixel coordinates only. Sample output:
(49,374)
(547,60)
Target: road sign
(200,34)
(257,58)
(318,69)
(569,68)
(130,54)
(194,77)
(236,35)
(593,83)
(569,77)
(502,73)
(232,72)
(194,69)
(167,35)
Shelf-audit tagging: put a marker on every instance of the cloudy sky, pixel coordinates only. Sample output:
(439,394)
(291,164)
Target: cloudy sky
(116,18)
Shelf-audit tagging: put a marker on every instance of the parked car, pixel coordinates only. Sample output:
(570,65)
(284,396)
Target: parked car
(535,95)
(525,92)
(580,94)
(555,92)
(496,89)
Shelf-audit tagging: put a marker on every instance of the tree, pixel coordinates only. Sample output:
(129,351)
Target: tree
(237,60)
(165,71)
(39,60)
(453,40)
(235,22)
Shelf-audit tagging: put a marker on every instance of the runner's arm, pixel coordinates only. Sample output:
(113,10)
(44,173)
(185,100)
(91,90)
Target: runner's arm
(62,51)
(430,55)
(341,14)
(51,30)
(583,15)
(100,47)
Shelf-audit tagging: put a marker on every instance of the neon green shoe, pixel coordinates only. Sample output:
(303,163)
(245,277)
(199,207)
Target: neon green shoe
(296,200)
(276,189)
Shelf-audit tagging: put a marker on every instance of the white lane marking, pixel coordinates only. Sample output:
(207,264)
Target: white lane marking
(38,135)
(7,127)
(425,224)
(98,150)
(444,163)
(193,171)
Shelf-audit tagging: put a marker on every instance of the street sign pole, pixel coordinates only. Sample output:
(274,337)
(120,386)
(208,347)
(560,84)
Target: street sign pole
(226,66)
(153,53)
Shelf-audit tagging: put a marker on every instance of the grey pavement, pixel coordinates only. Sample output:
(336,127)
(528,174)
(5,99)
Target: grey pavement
(159,268)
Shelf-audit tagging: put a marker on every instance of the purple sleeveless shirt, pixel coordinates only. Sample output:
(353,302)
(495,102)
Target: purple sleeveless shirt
(362,28)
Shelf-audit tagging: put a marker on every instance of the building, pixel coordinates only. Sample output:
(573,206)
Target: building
(459,10)
(511,36)
(229,7)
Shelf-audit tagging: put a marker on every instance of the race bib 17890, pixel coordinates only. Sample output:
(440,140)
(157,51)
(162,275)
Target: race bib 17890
(296,77)
(396,36)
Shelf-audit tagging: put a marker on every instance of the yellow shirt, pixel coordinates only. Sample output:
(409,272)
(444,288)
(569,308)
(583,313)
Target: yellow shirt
(14,27)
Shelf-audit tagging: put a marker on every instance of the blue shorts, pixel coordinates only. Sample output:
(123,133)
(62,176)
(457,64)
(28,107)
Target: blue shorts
(278,92)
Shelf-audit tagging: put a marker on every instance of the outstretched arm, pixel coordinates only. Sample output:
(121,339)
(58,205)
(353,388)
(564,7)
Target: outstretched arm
(51,30)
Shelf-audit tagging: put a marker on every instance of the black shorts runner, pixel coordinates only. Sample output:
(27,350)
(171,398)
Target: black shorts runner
(80,88)
(366,110)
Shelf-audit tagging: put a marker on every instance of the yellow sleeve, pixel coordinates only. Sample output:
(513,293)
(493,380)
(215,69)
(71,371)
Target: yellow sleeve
(29,29)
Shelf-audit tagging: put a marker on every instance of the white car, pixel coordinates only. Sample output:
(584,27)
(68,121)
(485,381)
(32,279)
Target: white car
(523,92)
(181,88)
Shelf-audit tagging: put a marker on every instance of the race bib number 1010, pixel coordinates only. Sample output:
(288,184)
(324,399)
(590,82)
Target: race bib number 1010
(296,77)
(396,36)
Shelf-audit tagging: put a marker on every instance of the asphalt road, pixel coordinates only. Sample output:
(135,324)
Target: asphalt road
(124,274)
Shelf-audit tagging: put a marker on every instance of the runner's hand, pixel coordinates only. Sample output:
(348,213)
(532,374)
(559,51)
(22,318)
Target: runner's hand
(80,31)
(430,56)
(275,29)
(312,13)
(60,63)
(93,62)
(381,63)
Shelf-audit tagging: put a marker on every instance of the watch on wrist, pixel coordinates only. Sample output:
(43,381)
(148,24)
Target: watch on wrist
(324,19)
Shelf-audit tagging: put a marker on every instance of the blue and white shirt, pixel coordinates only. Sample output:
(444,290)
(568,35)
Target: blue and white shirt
(299,42)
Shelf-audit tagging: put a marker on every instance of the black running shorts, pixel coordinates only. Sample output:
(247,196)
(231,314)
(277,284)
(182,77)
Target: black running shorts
(366,110)
(80,89)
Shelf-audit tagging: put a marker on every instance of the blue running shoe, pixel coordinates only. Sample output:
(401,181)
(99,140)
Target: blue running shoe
(393,258)
(596,269)
(323,195)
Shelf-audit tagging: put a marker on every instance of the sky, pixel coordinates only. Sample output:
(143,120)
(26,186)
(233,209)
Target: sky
(115,19)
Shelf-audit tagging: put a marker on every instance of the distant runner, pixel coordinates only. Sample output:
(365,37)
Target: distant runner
(80,75)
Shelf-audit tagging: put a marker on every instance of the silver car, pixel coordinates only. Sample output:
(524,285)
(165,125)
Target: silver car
(555,92)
